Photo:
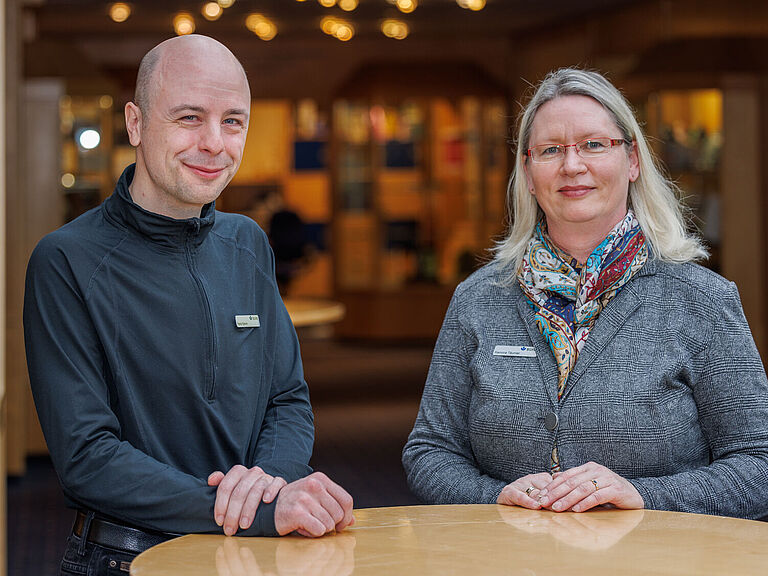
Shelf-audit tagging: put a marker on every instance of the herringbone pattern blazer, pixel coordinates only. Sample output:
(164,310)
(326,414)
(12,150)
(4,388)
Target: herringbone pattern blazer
(669,391)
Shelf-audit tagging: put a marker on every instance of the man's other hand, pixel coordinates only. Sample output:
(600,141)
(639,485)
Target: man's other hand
(313,506)
(239,493)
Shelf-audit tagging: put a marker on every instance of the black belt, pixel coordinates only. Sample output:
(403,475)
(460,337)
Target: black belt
(112,535)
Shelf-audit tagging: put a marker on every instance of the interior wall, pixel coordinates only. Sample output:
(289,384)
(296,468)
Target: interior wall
(3,506)
(743,209)
(16,403)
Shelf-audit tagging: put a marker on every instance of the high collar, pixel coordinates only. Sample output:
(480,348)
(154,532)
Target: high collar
(162,230)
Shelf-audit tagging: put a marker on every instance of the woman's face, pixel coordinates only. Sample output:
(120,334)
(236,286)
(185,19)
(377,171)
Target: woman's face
(579,196)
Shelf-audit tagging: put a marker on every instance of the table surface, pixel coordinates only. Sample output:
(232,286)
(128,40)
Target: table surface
(313,311)
(481,540)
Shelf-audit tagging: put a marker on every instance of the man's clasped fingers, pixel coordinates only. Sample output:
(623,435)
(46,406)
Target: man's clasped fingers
(239,493)
(313,506)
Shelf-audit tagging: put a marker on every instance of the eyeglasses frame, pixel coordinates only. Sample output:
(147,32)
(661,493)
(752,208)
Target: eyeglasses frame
(614,142)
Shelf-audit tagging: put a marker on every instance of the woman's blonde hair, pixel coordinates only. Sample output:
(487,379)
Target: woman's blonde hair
(653,197)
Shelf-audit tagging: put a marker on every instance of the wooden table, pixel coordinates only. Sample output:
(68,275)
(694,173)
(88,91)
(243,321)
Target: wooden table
(306,312)
(481,540)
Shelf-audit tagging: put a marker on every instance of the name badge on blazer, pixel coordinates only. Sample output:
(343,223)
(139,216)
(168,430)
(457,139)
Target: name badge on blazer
(519,351)
(247,321)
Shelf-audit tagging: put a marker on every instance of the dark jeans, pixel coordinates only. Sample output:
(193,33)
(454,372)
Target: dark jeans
(89,559)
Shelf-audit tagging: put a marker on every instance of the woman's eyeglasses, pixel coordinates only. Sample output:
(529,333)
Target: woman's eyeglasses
(588,148)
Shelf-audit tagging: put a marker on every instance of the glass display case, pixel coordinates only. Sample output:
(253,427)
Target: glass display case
(419,197)
(687,135)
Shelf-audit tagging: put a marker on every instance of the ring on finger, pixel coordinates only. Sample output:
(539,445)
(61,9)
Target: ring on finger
(595,484)
(529,490)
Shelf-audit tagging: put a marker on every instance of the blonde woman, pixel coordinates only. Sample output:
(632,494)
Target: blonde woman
(593,362)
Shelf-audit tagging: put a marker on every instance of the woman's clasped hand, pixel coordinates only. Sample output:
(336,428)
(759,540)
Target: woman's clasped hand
(576,490)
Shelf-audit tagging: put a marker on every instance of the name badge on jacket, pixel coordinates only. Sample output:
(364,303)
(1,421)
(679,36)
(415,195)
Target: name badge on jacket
(520,351)
(247,321)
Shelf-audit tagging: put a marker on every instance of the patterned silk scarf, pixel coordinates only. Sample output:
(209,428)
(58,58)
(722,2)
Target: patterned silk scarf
(567,299)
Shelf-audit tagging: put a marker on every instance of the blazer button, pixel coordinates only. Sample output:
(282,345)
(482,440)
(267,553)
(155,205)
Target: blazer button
(550,421)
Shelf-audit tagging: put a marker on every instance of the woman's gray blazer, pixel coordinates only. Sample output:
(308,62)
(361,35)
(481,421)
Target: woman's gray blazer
(669,392)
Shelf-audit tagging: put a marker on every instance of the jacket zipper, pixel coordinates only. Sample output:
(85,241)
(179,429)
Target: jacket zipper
(209,384)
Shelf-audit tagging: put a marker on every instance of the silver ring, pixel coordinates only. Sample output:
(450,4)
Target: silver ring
(595,483)
(529,490)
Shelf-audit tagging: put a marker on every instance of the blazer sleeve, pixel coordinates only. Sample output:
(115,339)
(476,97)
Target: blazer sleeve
(438,459)
(731,394)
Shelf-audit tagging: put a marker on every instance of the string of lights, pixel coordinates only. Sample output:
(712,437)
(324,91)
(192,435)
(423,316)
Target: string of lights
(266,28)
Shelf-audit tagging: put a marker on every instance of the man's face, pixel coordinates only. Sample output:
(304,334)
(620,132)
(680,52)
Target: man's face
(190,141)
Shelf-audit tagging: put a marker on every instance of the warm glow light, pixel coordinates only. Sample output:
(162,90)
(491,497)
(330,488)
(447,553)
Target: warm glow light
(105,102)
(212,11)
(327,3)
(68,180)
(337,28)
(89,139)
(329,24)
(474,5)
(262,26)
(119,11)
(225,3)
(407,6)
(348,5)
(344,32)
(183,23)
(396,29)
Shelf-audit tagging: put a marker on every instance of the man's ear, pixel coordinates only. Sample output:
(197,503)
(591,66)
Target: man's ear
(133,123)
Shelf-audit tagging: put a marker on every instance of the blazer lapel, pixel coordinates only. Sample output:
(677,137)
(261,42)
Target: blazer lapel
(608,323)
(543,351)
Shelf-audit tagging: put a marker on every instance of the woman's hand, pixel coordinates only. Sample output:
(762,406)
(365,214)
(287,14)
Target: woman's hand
(523,491)
(586,486)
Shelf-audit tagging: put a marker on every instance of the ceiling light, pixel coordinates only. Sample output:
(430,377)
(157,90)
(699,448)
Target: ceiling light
(344,32)
(474,5)
(212,11)
(329,24)
(392,28)
(338,28)
(327,3)
(407,6)
(225,3)
(183,23)
(119,11)
(262,26)
(348,5)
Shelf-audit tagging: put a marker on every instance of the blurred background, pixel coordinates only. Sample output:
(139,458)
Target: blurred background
(380,143)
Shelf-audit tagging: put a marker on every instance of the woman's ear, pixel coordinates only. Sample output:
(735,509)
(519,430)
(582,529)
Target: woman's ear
(528,179)
(634,163)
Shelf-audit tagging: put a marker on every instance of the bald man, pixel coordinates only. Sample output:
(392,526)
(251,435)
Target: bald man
(165,368)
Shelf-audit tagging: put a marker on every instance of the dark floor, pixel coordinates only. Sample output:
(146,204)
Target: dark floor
(365,400)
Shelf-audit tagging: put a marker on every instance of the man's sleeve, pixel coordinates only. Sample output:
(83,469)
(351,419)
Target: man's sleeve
(286,436)
(69,378)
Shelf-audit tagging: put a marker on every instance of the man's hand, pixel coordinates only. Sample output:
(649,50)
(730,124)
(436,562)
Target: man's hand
(239,493)
(313,506)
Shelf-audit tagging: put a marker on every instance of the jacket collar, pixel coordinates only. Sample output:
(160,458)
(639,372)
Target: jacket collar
(162,230)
